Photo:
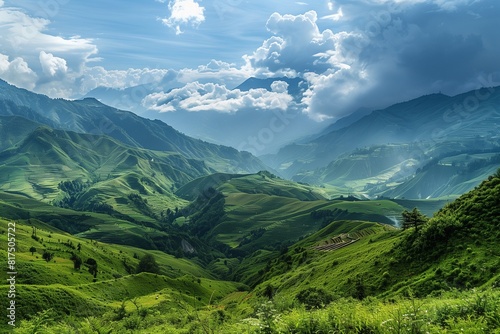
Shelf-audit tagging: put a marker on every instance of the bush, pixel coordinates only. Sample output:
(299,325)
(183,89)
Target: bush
(314,298)
(148,264)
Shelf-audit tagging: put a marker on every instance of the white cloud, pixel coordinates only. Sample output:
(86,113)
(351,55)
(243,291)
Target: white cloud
(298,46)
(328,61)
(184,12)
(24,39)
(279,86)
(335,17)
(52,66)
(217,72)
(98,76)
(214,97)
(17,72)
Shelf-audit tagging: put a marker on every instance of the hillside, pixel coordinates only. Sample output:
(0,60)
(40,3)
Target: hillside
(59,289)
(91,116)
(102,170)
(240,214)
(444,254)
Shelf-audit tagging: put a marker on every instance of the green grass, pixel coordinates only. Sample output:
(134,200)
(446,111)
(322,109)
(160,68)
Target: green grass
(76,292)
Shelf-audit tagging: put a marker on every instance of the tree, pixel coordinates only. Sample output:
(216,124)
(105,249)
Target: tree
(92,265)
(497,174)
(413,218)
(32,250)
(148,264)
(77,261)
(269,291)
(47,256)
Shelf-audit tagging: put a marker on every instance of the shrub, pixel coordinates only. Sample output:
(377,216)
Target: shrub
(313,298)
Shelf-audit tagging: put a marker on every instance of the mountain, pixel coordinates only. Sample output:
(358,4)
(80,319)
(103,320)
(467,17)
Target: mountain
(434,117)
(91,116)
(384,152)
(414,170)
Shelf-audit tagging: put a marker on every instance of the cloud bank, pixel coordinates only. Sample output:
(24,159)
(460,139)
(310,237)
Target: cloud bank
(195,97)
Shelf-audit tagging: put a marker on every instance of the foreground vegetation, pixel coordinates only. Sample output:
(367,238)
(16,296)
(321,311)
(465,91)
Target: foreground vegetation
(452,312)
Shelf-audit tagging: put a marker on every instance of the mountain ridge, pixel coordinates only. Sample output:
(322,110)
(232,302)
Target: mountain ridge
(91,116)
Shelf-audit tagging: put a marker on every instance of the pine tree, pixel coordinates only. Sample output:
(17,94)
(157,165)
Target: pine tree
(413,218)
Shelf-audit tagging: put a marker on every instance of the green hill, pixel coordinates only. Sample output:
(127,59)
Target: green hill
(456,249)
(240,214)
(58,286)
(94,173)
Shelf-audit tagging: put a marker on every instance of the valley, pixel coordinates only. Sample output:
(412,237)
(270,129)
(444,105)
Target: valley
(125,225)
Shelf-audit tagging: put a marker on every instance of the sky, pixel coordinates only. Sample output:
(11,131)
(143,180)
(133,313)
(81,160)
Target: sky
(351,53)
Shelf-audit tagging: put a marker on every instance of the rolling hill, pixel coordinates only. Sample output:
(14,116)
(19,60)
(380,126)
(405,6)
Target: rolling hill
(240,214)
(105,170)
(349,276)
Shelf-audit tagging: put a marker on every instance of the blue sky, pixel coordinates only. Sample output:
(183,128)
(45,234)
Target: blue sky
(364,53)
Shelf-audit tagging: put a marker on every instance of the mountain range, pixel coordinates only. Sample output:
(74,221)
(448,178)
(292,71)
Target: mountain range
(91,116)
(388,146)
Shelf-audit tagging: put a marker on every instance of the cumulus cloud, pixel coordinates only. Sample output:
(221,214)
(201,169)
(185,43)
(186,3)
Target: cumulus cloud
(43,62)
(279,86)
(295,46)
(17,72)
(386,51)
(52,66)
(98,76)
(216,71)
(327,60)
(184,12)
(214,97)
(57,66)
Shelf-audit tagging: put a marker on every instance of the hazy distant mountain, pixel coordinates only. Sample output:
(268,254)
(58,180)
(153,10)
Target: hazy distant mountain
(91,116)
(427,118)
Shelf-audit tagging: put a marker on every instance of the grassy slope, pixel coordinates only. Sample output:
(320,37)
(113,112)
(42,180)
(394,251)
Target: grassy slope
(46,157)
(456,249)
(384,262)
(281,208)
(56,283)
